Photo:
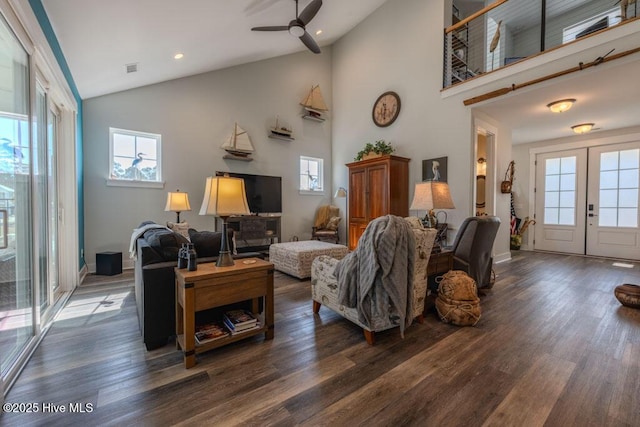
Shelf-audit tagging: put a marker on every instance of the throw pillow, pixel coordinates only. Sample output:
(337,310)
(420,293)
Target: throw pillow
(180,228)
(207,243)
(166,243)
(333,222)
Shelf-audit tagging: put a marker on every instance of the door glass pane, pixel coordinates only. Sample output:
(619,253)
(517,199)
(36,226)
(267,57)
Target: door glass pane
(16,290)
(619,185)
(629,159)
(552,199)
(566,216)
(628,217)
(607,217)
(560,194)
(609,161)
(608,198)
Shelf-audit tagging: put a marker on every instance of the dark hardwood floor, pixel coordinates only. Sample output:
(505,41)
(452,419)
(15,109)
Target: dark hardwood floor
(553,347)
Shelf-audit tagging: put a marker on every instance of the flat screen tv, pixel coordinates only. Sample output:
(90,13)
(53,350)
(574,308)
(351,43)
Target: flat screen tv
(264,193)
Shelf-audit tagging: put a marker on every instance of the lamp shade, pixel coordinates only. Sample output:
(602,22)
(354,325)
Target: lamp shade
(431,195)
(340,192)
(177,202)
(224,196)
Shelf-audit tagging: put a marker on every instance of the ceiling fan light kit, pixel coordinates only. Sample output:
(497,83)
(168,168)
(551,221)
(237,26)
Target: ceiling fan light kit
(298,27)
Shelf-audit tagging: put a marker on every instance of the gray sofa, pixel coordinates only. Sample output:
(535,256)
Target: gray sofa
(156,258)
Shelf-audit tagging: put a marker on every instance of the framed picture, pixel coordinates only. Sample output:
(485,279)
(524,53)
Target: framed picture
(434,169)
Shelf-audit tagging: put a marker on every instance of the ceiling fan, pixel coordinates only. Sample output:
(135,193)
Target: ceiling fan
(297,27)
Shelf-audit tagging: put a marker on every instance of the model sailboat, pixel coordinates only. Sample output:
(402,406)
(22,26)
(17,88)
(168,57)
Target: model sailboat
(281,131)
(314,104)
(239,146)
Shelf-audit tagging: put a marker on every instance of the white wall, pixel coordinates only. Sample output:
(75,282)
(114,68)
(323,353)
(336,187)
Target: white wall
(399,48)
(195,115)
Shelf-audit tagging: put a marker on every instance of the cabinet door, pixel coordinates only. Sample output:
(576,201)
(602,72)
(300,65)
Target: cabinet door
(377,196)
(355,231)
(358,195)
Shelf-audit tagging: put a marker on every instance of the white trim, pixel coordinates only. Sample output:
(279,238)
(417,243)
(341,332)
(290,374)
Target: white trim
(133,183)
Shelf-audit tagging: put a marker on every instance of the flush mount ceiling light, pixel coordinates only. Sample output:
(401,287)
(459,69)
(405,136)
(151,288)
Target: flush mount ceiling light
(178,56)
(561,106)
(582,128)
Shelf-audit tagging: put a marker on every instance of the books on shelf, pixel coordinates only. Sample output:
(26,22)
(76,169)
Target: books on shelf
(211,332)
(257,325)
(238,320)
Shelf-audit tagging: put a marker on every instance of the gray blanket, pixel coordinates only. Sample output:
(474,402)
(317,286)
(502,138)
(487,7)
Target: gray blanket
(377,276)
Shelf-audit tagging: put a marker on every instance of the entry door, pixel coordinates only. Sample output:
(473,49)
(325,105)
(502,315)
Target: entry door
(612,207)
(560,201)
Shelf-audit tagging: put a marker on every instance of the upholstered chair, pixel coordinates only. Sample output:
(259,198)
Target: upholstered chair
(325,288)
(473,246)
(325,226)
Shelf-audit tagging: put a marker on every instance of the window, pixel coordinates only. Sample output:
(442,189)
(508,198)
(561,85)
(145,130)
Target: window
(619,177)
(134,157)
(311,176)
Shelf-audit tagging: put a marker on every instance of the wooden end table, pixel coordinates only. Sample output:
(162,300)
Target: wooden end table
(210,286)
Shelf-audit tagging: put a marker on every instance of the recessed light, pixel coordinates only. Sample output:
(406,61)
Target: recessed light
(582,128)
(178,56)
(561,106)
(318,32)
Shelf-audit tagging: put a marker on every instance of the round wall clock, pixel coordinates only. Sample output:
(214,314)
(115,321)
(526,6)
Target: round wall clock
(386,109)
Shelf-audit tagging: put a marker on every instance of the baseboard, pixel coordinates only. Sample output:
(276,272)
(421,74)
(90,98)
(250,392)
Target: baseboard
(82,274)
(503,257)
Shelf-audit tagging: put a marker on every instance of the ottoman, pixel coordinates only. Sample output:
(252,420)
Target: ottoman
(295,258)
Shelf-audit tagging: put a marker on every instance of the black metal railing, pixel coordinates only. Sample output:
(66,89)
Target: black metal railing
(483,39)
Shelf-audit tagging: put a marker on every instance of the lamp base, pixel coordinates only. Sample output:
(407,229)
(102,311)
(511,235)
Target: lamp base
(224,258)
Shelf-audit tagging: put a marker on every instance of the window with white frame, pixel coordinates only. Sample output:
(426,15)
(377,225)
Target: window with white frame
(134,156)
(311,176)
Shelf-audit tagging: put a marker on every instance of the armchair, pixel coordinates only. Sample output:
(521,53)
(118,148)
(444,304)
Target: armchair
(325,288)
(472,248)
(326,223)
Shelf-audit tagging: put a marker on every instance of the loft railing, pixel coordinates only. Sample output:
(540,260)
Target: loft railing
(484,39)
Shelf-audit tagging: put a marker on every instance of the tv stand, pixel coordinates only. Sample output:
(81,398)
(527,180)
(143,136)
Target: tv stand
(252,232)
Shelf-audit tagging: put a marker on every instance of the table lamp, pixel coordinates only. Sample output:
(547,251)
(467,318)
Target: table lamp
(430,195)
(224,196)
(177,202)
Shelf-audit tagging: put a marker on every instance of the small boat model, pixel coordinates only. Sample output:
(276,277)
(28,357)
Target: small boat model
(239,146)
(314,104)
(282,131)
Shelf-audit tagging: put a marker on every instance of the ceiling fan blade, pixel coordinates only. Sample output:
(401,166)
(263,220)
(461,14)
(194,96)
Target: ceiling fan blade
(309,12)
(310,42)
(271,28)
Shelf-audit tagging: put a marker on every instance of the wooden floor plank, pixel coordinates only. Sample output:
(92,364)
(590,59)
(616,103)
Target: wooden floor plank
(553,347)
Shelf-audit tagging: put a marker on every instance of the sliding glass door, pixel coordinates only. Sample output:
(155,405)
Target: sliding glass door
(16,274)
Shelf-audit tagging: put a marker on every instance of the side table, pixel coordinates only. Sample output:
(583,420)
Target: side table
(211,286)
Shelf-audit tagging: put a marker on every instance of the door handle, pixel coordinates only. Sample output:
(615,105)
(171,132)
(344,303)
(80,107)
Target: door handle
(592,215)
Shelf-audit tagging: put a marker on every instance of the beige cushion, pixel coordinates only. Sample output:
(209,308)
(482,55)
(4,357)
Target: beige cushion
(414,222)
(180,228)
(332,224)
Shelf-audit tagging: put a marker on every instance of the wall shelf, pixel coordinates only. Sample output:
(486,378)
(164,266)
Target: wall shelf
(313,118)
(282,137)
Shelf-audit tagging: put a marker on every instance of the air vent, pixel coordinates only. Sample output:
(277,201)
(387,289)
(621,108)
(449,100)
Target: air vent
(132,68)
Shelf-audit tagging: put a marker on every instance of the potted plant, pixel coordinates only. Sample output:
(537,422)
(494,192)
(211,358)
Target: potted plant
(380,148)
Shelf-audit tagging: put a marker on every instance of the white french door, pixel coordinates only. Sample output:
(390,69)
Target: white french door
(560,201)
(612,206)
(587,201)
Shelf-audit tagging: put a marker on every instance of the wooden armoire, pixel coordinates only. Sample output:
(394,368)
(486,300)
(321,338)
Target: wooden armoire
(377,187)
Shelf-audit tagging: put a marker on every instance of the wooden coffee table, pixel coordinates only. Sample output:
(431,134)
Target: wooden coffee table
(210,286)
